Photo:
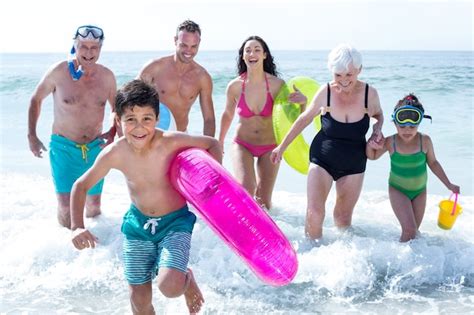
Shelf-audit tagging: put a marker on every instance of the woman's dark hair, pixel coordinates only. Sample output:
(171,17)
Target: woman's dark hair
(136,93)
(268,64)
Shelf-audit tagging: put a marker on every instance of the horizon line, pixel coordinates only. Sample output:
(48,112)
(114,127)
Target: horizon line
(233,50)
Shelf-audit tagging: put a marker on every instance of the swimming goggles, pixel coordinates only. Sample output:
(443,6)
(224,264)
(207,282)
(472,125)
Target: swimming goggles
(90,32)
(408,116)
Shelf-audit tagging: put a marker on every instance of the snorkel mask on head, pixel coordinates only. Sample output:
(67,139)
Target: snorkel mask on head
(408,114)
(85,32)
(90,32)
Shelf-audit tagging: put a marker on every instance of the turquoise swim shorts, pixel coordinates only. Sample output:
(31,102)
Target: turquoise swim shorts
(69,160)
(151,243)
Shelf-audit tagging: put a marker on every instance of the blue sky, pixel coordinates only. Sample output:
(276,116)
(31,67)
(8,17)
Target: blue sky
(138,25)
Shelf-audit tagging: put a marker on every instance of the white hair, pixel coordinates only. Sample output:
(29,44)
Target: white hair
(89,38)
(342,56)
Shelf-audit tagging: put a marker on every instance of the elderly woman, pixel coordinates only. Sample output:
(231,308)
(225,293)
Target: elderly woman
(337,153)
(251,95)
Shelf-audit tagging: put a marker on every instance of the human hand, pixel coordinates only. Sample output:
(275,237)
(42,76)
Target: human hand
(108,136)
(376,144)
(297,97)
(36,146)
(454,188)
(276,155)
(82,238)
(377,132)
(376,136)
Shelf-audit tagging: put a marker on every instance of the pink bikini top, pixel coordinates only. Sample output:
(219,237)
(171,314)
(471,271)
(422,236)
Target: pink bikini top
(243,109)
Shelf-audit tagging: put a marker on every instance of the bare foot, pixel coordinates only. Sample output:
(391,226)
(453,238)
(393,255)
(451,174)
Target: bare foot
(193,295)
(261,203)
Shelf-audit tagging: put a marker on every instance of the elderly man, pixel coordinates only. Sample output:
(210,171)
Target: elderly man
(80,88)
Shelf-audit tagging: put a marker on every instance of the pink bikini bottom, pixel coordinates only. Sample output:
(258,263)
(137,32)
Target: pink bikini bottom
(255,150)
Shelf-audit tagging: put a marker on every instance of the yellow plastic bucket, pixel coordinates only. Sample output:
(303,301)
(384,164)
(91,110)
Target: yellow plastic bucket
(448,212)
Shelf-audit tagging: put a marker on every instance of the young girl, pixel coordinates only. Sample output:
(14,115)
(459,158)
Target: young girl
(410,152)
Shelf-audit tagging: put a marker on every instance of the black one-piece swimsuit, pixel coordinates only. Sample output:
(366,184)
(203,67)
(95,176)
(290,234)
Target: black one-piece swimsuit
(339,148)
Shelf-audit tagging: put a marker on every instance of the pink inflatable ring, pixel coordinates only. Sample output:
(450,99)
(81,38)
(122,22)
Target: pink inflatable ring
(234,216)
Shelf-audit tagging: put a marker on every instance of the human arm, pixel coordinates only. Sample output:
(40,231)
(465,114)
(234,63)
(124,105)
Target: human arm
(374,150)
(214,148)
(375,111)
(146,73)
(301,122)
(45,87)
(182,141)
(229,111)
(81,237)
(109,135)
(207,106)
(436,167)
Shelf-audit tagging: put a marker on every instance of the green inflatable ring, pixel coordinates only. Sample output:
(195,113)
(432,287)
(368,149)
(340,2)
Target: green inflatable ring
(285,114)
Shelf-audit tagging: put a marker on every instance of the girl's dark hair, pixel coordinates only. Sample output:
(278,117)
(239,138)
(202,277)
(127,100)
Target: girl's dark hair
(411,100)
(268,64)
(136,93)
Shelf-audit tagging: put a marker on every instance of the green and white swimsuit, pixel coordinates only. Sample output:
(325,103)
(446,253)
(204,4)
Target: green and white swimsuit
(408,171)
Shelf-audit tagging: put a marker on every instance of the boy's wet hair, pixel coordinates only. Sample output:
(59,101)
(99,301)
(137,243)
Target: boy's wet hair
(188,26)
(411,100)
(136,93)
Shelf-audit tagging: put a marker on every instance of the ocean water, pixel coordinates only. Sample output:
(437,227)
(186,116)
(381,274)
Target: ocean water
(365,270)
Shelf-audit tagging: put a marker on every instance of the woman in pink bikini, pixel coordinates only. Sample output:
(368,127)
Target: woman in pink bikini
(251,95)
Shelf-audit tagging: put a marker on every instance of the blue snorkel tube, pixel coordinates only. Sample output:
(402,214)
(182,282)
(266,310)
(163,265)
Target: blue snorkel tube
(75,74)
